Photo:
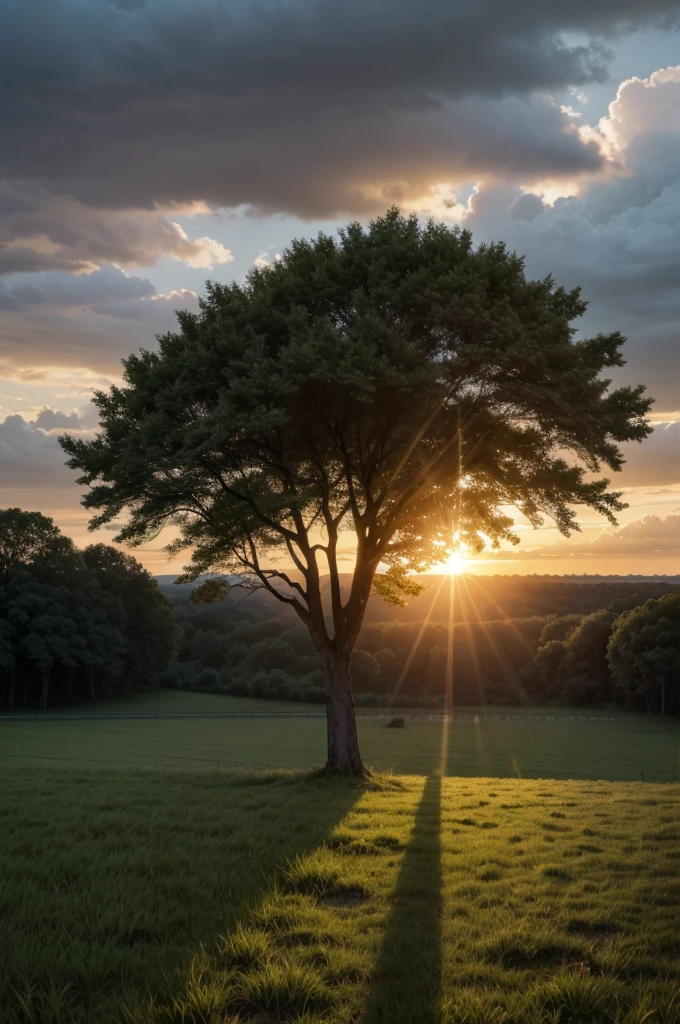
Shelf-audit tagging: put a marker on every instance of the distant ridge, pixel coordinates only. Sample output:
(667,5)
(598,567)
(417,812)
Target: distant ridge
(169,579)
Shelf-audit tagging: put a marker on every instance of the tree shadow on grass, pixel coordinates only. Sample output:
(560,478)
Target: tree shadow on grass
(407,983)
(152,867)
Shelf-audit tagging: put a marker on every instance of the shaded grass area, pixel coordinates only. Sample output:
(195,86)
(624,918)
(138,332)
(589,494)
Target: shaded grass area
(639,749)
(109,882)
(158,899)
(177,701)
(154,701)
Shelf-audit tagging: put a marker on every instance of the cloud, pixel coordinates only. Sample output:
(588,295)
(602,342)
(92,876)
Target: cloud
(651,536)
(644,105)
(43,231)
(654,462)
(619,238)
(88,321)
(51,420)
(54,419)
(29,456)
(126,106)
(107,290)
(262,260)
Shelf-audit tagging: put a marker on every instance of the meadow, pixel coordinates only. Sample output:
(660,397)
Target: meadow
(526,744)
(167,898)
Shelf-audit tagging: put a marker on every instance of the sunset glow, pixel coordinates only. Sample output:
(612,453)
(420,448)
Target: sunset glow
(455,564)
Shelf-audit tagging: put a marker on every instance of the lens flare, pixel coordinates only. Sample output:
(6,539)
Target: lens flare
(455,564)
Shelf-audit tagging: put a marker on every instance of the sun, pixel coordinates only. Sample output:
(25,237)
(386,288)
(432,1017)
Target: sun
(455,564)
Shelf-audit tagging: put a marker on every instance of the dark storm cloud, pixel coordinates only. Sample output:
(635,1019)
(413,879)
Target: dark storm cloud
(303,106)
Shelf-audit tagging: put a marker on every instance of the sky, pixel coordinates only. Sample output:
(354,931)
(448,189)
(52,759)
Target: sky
(149,145)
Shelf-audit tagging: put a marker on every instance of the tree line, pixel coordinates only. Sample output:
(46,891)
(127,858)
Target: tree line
(82,625)
(75,625)
(627,653)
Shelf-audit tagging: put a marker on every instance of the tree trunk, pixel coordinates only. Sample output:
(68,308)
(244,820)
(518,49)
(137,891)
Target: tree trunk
(343,745)
(644,694)
(12,686)
(45,686)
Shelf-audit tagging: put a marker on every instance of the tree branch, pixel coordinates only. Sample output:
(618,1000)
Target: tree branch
(271,523)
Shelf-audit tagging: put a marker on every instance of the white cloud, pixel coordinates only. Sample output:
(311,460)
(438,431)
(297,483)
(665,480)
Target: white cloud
(204,252)
(262,260)
(176,295)
(644,105)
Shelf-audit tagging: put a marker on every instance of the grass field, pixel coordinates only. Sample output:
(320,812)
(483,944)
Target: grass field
(177,702)
(567,747)
(157,898)
(186,701)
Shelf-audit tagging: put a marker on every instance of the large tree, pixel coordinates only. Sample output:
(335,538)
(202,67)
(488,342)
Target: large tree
(393,381)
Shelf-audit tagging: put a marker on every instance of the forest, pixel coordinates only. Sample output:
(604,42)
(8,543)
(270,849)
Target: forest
(515,641)
(75,625)
(82,625)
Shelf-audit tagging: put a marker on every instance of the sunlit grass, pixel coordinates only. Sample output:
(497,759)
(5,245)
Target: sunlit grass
(190,897)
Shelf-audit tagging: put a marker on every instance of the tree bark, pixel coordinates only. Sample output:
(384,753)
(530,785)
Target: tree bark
(343,745)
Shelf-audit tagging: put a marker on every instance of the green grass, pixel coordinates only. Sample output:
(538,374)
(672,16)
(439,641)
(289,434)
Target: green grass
(565,747)
(157,898)
(185,701)
(177,702)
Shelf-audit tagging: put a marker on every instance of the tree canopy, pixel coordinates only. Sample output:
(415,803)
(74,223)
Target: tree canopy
(149,623)
(644,655)
(28,537)
(394,381)
(574,667)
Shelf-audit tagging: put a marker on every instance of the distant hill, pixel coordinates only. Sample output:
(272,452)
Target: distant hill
(478,598)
